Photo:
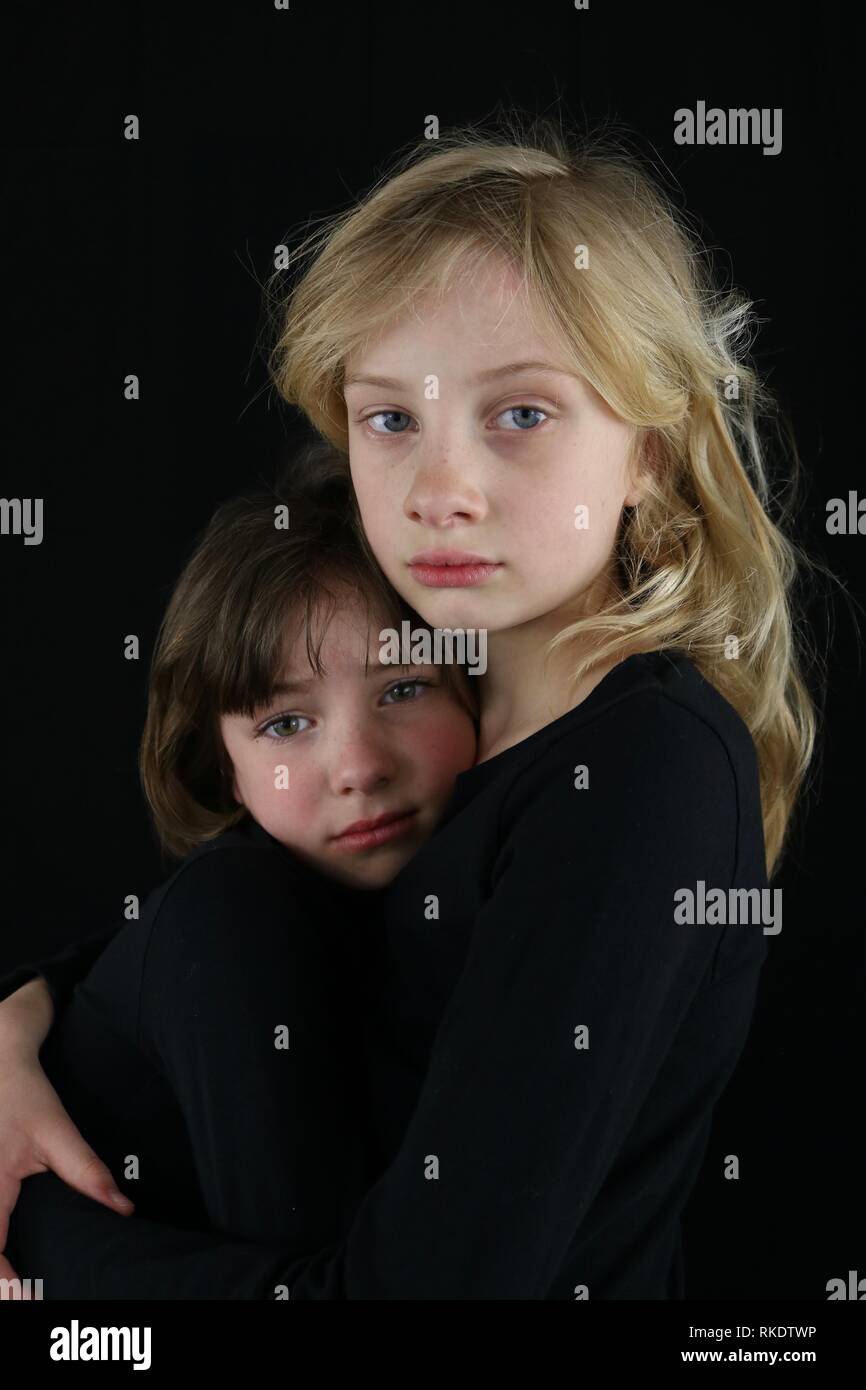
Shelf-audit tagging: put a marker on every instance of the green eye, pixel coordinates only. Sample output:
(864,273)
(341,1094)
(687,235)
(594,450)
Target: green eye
(412,686)
(273,729)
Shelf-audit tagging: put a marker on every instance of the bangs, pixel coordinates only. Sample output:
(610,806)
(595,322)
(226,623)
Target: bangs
(379,267)
(451,257)
(265,646)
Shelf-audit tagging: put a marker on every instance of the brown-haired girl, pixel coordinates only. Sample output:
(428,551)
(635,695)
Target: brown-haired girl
(210,1055)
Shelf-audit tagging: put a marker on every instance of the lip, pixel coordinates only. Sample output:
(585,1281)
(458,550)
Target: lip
(450,557)
(451,569)
(381,830)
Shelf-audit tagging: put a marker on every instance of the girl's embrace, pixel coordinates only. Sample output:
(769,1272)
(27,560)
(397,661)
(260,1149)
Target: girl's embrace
(213,1054)
(516,350)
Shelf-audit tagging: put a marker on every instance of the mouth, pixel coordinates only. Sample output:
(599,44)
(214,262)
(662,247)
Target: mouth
(382,830)
(451,569)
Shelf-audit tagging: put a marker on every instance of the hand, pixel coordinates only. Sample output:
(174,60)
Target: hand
(36,1134)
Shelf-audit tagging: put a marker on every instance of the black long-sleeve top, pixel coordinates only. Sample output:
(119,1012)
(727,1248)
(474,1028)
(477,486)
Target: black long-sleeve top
(208,1055)
(544,1039)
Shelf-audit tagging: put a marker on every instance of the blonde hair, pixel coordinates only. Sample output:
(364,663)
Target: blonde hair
(700,558)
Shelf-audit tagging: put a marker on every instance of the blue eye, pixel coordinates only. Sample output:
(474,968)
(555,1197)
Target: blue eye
(390,415)
(525,425)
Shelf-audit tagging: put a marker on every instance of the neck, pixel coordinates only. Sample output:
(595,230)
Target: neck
(523,689)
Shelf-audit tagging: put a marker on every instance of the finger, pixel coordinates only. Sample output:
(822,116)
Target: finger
(8,1273)
(76,1163)
(8,1197)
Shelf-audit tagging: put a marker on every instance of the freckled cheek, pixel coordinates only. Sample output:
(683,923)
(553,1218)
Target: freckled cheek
(279,794)
(441,749)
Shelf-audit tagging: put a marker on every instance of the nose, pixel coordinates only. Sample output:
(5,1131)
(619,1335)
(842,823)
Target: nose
(360,761)
(442,493)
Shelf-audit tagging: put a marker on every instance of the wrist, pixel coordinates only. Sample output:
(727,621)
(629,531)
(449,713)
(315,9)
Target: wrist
(25,1019)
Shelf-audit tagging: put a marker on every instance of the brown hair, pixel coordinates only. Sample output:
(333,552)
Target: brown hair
(264,557)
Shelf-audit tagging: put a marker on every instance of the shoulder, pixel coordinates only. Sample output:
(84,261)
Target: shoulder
(691,704)
(659,747)
(235,888)
(243,851)
(236,934)
(659,715)
(239,926)
(209,885)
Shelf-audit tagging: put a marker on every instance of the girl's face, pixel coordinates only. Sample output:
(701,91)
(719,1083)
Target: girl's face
(469,437)
(381,744)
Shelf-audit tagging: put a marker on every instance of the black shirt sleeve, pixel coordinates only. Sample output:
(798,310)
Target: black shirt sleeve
(106,1256)
(63,971)
(243,1011)
(244,1005)
(517,1125)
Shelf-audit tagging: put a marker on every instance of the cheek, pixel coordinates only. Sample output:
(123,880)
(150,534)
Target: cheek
(533,500)
(449,746)
(570,516)
(375,500)
(277,791)
(379,503)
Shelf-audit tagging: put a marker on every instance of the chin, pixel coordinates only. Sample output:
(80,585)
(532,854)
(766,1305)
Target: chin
(375,880)
(373,876)
(460,608)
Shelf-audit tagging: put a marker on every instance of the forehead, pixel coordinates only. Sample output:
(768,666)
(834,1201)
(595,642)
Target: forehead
(485,308)
(344,632)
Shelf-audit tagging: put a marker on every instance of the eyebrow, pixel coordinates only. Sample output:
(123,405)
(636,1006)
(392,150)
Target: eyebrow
(300,686)
(480,378)
(290,687)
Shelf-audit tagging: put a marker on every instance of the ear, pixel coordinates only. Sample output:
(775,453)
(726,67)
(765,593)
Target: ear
(645,463)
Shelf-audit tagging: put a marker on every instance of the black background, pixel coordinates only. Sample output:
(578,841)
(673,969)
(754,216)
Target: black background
(149,257)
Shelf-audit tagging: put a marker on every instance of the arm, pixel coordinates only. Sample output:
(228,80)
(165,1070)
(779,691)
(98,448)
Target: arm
(35,1131)
(238,951)
(523,1126)
(245,1003)
(60,972)
(107,1257)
